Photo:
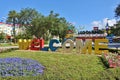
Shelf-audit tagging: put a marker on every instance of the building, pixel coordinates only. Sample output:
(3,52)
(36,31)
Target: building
(94,34)
(8,29)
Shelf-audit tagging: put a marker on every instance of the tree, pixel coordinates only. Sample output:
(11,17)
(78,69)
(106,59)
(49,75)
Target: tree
(2,36)
(116,31)
(39,25)
(58,26)
(13,18)
(26,16)
(117,11)
(45,26)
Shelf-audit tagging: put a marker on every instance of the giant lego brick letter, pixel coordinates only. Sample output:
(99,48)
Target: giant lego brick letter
(29,42)
(79,45)
(20,43)
(52,48)
(25,44)
(68,41)
(35,44)
(41,43)
(100,44)
(84,47)
(87,47)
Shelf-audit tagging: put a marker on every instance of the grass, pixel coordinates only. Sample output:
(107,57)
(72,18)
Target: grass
(66,66)
(7,44)
(4,44)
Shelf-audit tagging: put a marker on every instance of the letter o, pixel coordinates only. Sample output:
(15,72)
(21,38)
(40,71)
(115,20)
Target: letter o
(71,45)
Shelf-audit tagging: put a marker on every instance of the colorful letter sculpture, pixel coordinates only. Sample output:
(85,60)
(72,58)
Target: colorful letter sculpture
(70,44)
(52,48)
(79,45)
(102,45)
(87,46)
(20,43)
(24,44)
(37,44)
(67,46)
(41,43)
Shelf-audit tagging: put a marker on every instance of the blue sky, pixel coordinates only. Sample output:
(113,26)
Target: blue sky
(86,13)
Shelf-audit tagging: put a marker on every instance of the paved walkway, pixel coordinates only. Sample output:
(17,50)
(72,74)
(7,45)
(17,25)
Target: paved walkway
(8,47)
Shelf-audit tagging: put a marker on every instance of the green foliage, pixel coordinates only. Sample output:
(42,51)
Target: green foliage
(26,16)
(5,44)
(39,25)
(13,18)
(2,36)
(117,11)
(23,36)
(116,31)
(58,24)
(47,26)
(108,74)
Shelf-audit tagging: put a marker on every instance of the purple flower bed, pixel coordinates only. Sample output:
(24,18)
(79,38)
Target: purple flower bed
(111,60)
(20,67)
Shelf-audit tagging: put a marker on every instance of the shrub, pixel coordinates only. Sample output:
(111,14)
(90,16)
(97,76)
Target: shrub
(111,60)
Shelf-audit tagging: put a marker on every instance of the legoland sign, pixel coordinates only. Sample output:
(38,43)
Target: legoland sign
(80,47)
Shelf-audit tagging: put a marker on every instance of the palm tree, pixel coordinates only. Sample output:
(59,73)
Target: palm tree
(13,18)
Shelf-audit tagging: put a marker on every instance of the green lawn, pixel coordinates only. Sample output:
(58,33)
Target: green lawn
(7,44)
(67,66)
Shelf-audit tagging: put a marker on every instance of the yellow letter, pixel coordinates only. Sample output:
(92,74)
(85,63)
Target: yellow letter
(20,43)
(102,45)
(83,48)
(87,45)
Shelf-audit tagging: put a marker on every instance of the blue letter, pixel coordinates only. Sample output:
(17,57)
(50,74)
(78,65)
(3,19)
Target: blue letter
(52,48)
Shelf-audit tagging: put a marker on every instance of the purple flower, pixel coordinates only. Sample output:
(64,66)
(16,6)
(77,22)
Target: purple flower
(20,67)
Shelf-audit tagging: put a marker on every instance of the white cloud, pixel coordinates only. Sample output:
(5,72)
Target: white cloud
(112,22)
(97,24)
(102,24)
